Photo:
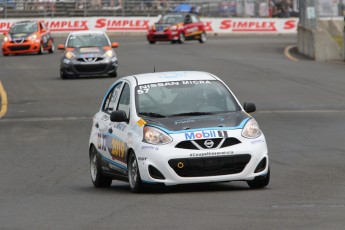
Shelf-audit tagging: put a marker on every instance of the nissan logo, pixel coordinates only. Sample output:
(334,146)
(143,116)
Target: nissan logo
(209,143)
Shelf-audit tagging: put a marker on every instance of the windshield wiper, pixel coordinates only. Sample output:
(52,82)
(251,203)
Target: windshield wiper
(191,114)
(152,115)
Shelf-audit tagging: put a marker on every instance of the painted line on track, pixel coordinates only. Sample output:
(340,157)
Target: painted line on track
(287,53)
(3,96)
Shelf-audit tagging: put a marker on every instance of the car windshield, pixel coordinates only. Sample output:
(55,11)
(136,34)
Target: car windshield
(24,27)
(184,98)
(171,19)
(87,40)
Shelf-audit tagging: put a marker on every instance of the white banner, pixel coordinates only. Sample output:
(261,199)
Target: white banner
(141,24)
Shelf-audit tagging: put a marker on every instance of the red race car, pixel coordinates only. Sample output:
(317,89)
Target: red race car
(28,36)
(177,27)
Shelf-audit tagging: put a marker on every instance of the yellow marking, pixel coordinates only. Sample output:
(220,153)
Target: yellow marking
(3,97)
(141,122)
(288,55)
(180,165)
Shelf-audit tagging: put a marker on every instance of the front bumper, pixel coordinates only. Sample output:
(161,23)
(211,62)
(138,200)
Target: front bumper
(163,36)
(28,46)
(240,162)
(75,67)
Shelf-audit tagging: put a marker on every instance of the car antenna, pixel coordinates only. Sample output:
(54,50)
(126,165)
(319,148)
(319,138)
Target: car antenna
(154,69)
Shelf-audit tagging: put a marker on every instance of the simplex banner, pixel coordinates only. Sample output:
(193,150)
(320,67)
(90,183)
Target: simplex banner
(141,24)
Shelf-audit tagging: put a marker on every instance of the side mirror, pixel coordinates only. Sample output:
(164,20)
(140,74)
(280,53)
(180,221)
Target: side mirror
(249,107)
(114,45)
(118,116)
(61,47)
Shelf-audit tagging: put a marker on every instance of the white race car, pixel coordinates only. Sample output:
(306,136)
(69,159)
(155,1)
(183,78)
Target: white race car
(175,128)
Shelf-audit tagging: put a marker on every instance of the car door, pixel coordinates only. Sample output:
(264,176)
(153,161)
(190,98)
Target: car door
(191,28)
(105,144)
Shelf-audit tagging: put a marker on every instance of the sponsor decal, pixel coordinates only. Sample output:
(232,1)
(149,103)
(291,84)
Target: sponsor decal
(117,149)
(257,142)
(184,122)
(205,134)
(149,147)
(249,26)
(101,141)
(145,88)
(120,126)
(207,154)
(141,122)
(192,30)
(142,158)
(122,24)
(89,50)
(67,25)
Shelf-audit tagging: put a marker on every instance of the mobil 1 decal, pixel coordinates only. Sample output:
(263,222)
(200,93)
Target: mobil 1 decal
(142,89)
(114,146)
(205,134)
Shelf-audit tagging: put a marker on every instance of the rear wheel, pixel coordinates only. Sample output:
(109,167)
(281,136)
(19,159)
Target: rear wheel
(63,75)
(5,54)
(134,179)
(152,42)
(260,182)
(98,179)
(181,38)
(203,38)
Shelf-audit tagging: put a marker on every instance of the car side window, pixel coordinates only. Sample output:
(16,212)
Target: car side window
(42,26)
(194,19)
(124,101)
(109,103)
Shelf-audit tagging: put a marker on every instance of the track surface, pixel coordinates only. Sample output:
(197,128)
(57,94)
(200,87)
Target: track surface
(44,136)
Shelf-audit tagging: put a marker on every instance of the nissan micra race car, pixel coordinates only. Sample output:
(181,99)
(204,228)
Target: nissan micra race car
(28,36)
(175,128)
(88,53)
(177,27)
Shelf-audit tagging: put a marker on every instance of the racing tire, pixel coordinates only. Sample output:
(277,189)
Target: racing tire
(63,75)
(98,179)
(5,54)
(113,74)
(134,179)
(203,38)
(152,42)
(260,182)
(181,38)
(40,52)
(173,42)
(52,48)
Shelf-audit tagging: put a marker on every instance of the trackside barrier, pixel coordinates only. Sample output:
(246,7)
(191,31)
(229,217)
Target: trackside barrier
(141,24)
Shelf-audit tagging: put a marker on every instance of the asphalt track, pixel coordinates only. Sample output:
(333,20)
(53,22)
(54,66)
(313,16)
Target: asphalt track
(44,173)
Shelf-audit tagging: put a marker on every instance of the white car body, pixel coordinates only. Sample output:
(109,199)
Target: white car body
(115,140)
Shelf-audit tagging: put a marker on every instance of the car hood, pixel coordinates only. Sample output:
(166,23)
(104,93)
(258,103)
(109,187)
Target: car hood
(89,51)
(221,121)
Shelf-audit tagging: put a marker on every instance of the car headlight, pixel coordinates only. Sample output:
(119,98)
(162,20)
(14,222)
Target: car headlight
(69,55)
(155,136)
(109,54)
(174,28)
(6,39)
(251,129)
(32,37)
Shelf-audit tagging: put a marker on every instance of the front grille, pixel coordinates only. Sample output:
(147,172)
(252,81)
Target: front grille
(91,68)
(209,166)
(19,48)
(200,144)
(90,59)
(160,36)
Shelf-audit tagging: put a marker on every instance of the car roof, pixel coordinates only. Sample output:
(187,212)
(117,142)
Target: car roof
(86,32)
(148,78)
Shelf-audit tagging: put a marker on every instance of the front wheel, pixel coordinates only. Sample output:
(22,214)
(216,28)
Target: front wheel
(52,48)
(98,179)
(40,52)
(152,42)
(134,179)
(181,38)
(260,182)
(203,38)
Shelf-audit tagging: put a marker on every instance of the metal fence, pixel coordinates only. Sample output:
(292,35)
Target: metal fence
(86,8)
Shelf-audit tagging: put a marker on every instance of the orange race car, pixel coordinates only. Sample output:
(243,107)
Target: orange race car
(29,36)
